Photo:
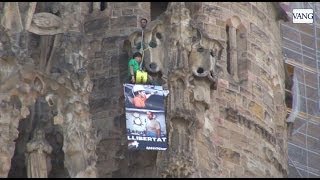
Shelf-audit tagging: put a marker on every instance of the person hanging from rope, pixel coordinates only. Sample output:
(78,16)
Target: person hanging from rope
(134,66)
(137,73)
(143,23)
(142,46)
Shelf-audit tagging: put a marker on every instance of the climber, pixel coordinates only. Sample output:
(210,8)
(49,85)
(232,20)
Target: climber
(141,47)
(137,72)
(136,75)
(134,65)
(140,96)
(143,23)
(153,127)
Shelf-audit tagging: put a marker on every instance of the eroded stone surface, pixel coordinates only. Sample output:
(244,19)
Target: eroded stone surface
(221,123)
(192,60)
(28,78)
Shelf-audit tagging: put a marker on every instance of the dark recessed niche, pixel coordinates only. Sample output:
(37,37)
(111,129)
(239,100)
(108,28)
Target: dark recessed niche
(103,6)
(158,8)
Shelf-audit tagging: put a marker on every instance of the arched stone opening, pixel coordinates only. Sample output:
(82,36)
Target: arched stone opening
(41,116)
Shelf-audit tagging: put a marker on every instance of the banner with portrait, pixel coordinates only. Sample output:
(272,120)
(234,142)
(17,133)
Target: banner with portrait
(145,117)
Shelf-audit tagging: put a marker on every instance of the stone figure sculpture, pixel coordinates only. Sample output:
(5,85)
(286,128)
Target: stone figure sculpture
(39,31)
(186,59)
(38,159)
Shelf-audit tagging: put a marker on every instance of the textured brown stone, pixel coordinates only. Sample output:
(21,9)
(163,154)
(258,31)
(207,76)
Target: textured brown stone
(257,31)
(124,21)
(229,155)
(200,144)
(116,13)
(256,109)
(125,4)
(127,12)
(96,25)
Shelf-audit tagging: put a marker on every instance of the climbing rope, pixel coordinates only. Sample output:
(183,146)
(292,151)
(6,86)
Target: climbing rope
(142,49)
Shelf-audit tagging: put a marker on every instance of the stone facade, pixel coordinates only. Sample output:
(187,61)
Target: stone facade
(42,60)
(106,31)
(226,110)
(221,61)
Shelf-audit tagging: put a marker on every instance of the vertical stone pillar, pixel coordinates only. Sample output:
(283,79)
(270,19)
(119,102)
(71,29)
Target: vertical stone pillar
(233,52)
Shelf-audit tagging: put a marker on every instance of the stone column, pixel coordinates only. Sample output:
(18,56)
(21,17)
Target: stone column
(233,52)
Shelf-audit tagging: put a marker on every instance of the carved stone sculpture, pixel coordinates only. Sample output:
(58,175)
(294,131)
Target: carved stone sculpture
(66,90)
(38,156)
(201,51)
(43,23)
(48,50)
(46,24)
(187,60)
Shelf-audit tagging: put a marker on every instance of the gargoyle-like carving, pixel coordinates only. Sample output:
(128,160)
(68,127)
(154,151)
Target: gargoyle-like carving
(205,52)
(154,49)
(187,59)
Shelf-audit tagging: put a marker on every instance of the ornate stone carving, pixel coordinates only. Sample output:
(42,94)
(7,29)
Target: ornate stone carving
(205,52)
(66,92)
(38,156)
(43,23)
(46,24)
(186,58)
(159,43)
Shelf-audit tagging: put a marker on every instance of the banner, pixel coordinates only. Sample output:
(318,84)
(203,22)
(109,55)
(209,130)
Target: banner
(145,117)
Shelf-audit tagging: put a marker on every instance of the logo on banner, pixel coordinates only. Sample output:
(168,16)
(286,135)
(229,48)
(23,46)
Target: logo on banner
(302,16)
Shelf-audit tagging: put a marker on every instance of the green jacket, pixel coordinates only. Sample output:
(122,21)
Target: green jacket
(135,64)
